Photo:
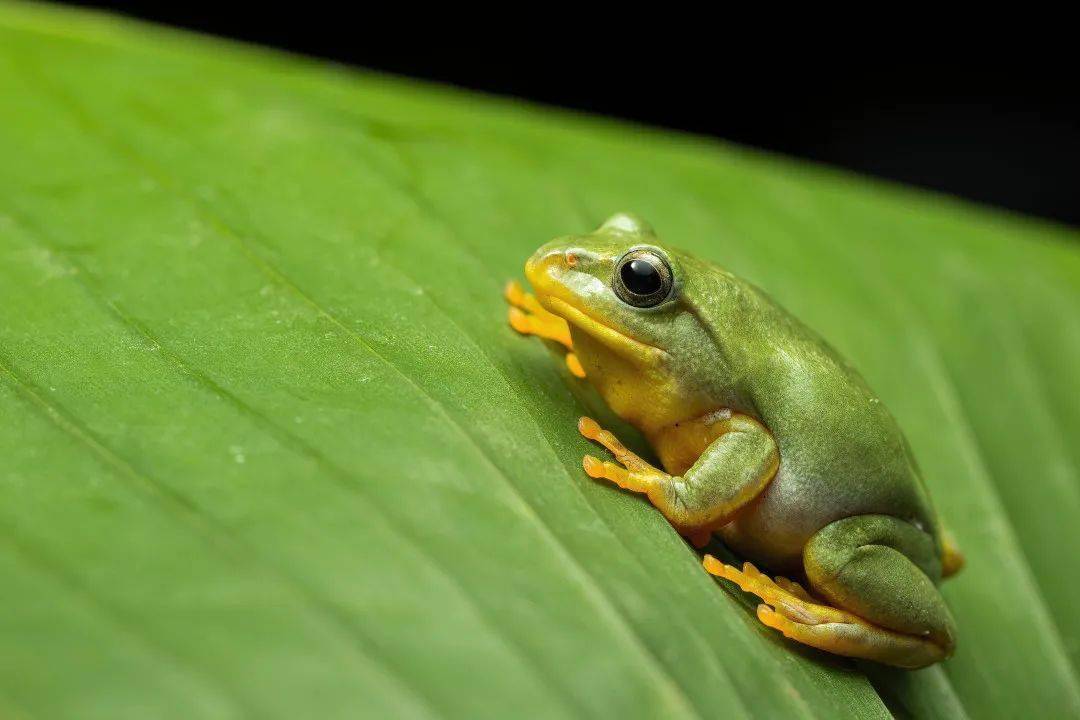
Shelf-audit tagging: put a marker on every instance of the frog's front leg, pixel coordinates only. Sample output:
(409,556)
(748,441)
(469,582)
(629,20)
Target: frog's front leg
(529,317)
(734,468)
(876,577)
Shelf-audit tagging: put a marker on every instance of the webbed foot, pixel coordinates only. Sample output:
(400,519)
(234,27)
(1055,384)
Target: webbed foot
(629,471)
(529,317)
(787,607)
(632,473)
(786,596)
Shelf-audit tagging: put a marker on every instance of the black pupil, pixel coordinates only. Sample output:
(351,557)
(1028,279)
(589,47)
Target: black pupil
(641,277)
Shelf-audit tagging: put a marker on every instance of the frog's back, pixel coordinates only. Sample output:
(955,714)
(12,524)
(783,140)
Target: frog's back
(841,451)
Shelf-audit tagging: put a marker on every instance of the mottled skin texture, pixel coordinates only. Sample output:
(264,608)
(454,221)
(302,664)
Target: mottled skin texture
(767,437)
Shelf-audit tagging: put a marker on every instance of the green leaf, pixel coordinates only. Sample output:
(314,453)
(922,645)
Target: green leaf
(268,448)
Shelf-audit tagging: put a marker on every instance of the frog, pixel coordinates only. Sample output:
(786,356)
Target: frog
(768,440)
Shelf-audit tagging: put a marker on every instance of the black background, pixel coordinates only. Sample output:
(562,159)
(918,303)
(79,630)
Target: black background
(999,128)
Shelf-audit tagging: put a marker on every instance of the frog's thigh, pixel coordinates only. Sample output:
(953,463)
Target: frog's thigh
(880,568)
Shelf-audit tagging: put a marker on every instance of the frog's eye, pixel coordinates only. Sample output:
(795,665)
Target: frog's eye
(642,278)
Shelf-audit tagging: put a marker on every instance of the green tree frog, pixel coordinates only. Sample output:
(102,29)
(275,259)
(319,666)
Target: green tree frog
(766,437)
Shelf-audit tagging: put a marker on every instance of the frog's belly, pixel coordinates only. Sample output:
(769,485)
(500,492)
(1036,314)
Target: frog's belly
(775,527)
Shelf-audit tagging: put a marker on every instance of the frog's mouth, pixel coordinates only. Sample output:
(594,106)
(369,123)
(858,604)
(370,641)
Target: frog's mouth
(618,341)
(559,289)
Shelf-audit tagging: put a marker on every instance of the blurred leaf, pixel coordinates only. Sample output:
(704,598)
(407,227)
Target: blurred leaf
(267,447)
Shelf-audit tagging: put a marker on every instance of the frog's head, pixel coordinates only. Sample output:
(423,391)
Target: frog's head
(632,320)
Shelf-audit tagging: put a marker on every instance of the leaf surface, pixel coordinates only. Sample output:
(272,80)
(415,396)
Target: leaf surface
(268,448)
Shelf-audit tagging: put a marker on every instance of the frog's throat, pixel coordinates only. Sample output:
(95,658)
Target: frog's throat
(619,342)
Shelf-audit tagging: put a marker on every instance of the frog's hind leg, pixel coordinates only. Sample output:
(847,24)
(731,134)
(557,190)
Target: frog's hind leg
(529,317)
(875,572)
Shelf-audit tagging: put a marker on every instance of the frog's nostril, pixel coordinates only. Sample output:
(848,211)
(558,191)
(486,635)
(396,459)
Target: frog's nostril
(551,261)
(537,265)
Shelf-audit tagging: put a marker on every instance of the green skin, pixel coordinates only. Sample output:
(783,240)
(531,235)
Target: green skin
(846,509)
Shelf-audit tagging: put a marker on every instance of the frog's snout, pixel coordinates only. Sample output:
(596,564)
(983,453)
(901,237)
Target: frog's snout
(549,263)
